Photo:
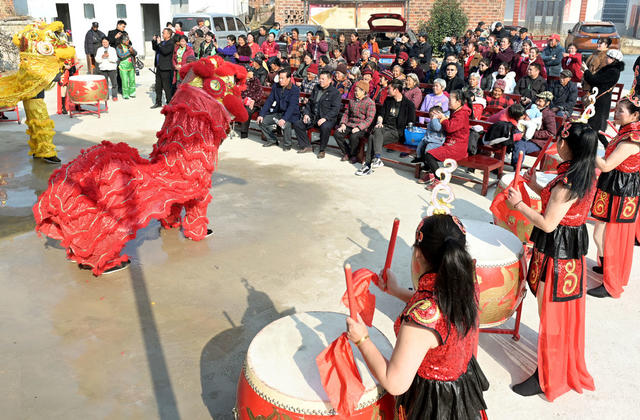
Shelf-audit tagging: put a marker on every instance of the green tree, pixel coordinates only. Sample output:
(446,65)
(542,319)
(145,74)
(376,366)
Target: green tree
(446,19)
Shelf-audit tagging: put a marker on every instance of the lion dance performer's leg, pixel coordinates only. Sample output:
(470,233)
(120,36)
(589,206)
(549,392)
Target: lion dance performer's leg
(194,224)
(41,128)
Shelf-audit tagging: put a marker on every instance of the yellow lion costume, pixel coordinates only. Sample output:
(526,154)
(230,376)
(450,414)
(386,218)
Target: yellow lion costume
(43,51)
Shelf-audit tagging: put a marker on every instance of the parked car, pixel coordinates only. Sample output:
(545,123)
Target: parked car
(303,29)
(387,27)
(585,35)
(221,24)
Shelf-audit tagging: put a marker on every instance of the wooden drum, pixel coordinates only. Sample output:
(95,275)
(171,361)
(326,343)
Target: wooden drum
(88,89)
(521,228)
(500,270)
(280,378)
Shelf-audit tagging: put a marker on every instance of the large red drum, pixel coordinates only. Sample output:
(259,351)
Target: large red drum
(521,228)
(280,378)
(88,89)
(500,269)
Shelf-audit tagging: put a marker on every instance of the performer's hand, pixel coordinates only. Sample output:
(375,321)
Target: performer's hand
(530,177)
(321,121)
(514,196)
(356,329)
(259,119)
(391,284)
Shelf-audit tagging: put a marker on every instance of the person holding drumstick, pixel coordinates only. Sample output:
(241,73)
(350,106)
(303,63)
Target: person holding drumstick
(432,370)
(616,204)
(557,275)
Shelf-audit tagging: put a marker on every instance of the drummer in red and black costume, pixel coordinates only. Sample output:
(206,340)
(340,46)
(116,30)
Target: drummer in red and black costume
(616,203)
(432,370)
(557,275)
(70,68)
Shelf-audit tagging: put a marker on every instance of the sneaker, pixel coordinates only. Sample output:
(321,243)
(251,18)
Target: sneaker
(52,159)
(125,97)
(377,163)
(416,160)
(429,186)
(426,178)
(119,267)
(156,106)
(115,99)
(365,170)
(306,150)
(286,148)
(320,155)
(270,143)
(344,158)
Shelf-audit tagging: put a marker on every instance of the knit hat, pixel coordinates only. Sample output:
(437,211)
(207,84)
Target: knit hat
(364,85)
(376,56)
(342,68)
(500,84)
(387,75)
(615,54)
(566,73)
(313,69)
(367,71)
(554,36)
(403,55)
(546,95)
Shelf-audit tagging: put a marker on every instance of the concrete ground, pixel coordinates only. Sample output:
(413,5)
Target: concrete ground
(166,338)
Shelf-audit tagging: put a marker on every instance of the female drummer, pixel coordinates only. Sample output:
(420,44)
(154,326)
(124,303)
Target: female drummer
(432,370)
(557,274)
(616,203)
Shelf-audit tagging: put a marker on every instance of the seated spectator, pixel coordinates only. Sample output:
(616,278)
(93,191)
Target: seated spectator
(229,52)
(415,69)
(382,90)
(572,61)
(486,75)
(520,58)
(532,120)
(259,72)
(337,57)
(253,99)
(451,59)
(547,129)
(307,60)
(375,58)
(472,59)
(356,120)
(371,44)
(456,129)
(321,111)
(453,79)
(497,99)
(502,53)
(324,64)
(433,138)
(437,98)
(534,57)
(530,85)
(565,94)
(340,80)
(275,65)
(412,90)
(364,58)
(354,74)
(352,51)
(198,39)
(243,53)
(518,41)
(182,52)
(269,48)
(309,83)
(478,104)
(318,47)
(514,114)
(552,56)
(207,48)
(375,77)
(398,72)
(473,86)
(432,73)
(393,117)
(282,109)
(251,42)
(487,49)
(504,73)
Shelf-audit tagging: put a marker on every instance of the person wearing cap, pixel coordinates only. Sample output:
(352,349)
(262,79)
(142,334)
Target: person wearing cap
(565,94)
(92,41)
(530,85)
(499,31)
(321,111)
(422,51)
(516,42)
(340,80)
(310,81)
(356,120)
(605,80)
(547,128)
(380,95)
(496,98)
(552,56)
(282,109)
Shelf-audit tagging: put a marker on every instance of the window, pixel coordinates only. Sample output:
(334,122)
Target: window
(231,24)
(89,11)
(218,24)
(121,11)
(240,26)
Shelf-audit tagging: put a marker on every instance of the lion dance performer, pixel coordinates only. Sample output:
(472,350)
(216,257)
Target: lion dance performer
(97,202)
(43,51)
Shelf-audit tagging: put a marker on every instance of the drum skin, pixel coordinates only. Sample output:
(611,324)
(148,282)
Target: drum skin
(88,89)
(501,288)
(251,406)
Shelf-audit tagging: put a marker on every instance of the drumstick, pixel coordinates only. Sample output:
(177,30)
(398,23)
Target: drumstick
(540,155)
(352,299)
(390,249)
(517,176)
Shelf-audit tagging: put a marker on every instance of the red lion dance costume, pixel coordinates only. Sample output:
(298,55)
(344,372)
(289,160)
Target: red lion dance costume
(97,202)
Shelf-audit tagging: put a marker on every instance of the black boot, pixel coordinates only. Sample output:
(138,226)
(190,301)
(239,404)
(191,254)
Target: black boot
(64,105)
(599,292)
(529,387)
(599,269)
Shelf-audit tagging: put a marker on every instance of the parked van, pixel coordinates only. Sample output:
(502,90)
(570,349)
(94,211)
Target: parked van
(221,24)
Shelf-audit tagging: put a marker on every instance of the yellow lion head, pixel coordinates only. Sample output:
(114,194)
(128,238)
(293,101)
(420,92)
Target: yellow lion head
(45,39)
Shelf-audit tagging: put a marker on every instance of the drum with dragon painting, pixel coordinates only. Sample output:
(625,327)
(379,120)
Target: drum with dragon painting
(280,378)
(88,89)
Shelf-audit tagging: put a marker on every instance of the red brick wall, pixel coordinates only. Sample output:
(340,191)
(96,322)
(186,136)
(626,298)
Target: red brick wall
(476,10)
(6,8)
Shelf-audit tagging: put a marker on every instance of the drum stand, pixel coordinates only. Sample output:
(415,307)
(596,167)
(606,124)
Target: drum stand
(73,110)
(515,331)
(14,109)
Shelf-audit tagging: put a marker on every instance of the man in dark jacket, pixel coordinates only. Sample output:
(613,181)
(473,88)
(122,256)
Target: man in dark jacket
(115,34)
(565,94)
(164,65)
(396,112)
(281,108)
(552,56)
(92,41)
(541,135)
(530,85)
(422,51)
(320,111)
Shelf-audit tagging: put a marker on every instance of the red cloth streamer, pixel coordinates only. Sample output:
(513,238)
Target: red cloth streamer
(364,302)
(340,376)
(499,205)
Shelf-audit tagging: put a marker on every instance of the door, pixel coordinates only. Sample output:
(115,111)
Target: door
(545,16)
(150,25)
(62,10)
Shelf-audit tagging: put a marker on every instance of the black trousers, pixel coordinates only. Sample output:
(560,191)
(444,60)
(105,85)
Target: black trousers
(351,148)
(111,75)
(244,126)
(301,132)
(431,164)
(163,82)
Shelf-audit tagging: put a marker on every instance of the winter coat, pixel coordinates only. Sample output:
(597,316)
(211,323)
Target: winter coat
(564,97)
(269,49)
(522,66)
(605,79)
(529,87)
(414,95)
(352,53)
(164,54)
(283,101)
(406,113)
(456,128)
(92,41)
(328,107)
(509,78)
(547,129)
(502,56)
(573,63)
(454,84)
(317,49)
(552,57)
(424,49)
